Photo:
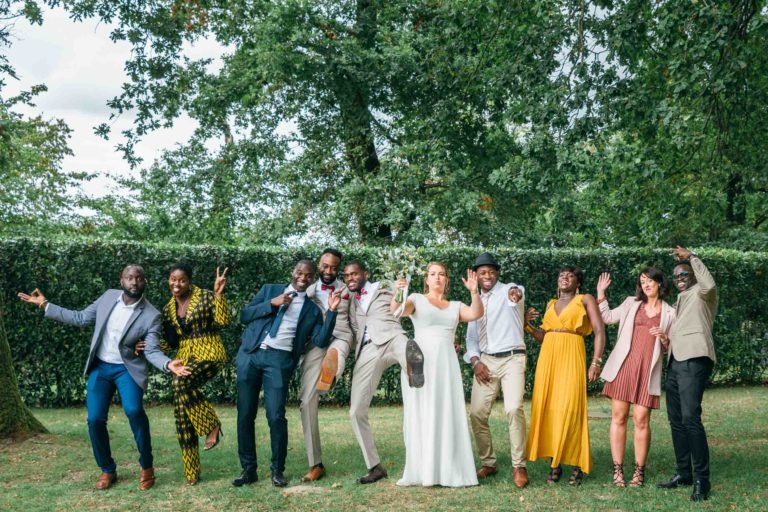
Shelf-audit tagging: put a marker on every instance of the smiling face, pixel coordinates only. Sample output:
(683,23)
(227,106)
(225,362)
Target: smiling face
(132,281)
(567,281)
(684,277)
(303,275)
(178,282)
(437,278)
(355,277)
(649,286)
(487,276)
(328,268)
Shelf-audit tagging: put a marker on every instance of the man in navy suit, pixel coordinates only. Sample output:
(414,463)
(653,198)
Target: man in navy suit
(280,323)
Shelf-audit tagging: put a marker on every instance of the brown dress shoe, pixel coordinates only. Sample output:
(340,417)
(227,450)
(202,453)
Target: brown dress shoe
(521,477)
(147,479)
(486,471)
(315,473)
(328,371)
(105,481)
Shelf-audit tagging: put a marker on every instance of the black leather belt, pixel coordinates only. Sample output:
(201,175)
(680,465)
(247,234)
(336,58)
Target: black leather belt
(507,353)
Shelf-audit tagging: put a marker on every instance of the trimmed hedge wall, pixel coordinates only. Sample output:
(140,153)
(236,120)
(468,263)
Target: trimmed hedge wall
(49,357)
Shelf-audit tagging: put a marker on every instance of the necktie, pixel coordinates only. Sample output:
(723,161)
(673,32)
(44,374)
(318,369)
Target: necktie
(324,287)
(276,323)
(361,293)
(482,324)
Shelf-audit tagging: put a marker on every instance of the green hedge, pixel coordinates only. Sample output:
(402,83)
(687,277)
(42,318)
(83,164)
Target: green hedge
(49,356)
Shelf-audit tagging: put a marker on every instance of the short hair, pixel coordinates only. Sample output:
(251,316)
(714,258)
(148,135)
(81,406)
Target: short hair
(132,265)
(658,276)
(683,262)
(333,252)
(575,271)
(358,263)
(183,266)
(305,261)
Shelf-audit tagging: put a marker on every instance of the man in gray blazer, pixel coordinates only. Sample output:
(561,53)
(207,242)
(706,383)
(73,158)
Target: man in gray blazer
(321,367)
(690,362)
(381,343)
(121,319)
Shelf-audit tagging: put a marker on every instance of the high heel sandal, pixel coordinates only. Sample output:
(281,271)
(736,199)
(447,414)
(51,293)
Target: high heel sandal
(618,474)
(209,445)
(554,475)
(638,477)
(576,476)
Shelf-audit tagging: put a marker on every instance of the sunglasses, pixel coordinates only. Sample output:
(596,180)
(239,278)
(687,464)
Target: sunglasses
(682,275)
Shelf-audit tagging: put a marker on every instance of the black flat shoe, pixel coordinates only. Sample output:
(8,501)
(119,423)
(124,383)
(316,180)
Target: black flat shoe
(245,478)
(278,480)
(674,482)
(414,359)
(375,474)
(700,490)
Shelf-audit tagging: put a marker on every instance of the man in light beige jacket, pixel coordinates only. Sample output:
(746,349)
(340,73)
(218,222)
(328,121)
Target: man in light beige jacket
(690,362)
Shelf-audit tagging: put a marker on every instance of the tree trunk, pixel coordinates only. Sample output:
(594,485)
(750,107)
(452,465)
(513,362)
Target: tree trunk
(15,418)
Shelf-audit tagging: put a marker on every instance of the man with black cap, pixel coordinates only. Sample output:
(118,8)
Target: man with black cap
(496,351)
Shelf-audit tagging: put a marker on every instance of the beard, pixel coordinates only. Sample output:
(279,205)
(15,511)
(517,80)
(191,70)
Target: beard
(134,295)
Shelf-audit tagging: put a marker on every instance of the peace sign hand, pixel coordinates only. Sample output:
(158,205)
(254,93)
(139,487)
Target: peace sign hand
(221,280)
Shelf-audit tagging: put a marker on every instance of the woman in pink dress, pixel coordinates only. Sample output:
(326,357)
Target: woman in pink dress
(633,370)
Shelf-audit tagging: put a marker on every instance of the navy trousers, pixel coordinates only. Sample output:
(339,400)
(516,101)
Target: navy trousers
(270,370)
(103,381)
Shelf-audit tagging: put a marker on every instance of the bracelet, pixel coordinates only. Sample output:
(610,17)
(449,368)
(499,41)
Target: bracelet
(43,304)
(529,329)
(474,363)
(594,364)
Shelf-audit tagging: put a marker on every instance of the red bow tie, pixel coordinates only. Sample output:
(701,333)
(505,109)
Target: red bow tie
(360,293)
(324,287)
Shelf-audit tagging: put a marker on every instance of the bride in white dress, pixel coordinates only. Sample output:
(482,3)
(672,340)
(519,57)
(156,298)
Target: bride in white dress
(438,450)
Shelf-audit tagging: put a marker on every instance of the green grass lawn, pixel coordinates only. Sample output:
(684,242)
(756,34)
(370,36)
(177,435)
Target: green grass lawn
(57,472)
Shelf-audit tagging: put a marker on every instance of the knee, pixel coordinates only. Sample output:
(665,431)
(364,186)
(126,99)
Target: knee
(513,409)
(357,413)
(619,419)
(133,411)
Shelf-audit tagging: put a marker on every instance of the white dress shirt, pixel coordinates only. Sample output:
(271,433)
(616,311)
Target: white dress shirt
(365,302)
(505,322)
(323,295)
(287,330)
(109,348)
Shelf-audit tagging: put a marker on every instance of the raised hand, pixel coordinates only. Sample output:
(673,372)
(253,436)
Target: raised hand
(334,299)
(471,281)
(515,294)
(177,367)
(401,283)
(603,282)
(531,314)
(36,297)
(681,253)
(221,280)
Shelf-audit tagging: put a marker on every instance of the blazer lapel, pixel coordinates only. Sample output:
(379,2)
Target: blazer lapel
(137,311)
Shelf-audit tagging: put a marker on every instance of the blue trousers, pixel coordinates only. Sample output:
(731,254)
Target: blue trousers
(103,380)
(269,370)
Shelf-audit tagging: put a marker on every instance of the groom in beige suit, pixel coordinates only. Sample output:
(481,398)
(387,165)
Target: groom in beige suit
(320,367)
(381,343)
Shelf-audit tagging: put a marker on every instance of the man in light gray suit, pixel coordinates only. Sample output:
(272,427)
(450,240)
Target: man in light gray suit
(121,319)
(381,343)
(321,367)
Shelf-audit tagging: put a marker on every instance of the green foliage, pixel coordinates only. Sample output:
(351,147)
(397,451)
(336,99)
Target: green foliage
(49,357)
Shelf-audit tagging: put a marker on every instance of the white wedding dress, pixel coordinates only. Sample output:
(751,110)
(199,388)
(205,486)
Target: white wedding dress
(438,450)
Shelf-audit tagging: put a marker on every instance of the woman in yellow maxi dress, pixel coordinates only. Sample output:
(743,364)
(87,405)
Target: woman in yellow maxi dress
(558,428)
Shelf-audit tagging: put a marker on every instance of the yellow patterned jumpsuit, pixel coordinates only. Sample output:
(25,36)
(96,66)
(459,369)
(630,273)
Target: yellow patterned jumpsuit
(201,349)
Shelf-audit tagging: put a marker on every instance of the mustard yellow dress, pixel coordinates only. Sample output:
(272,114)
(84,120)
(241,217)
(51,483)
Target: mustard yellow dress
(559,427)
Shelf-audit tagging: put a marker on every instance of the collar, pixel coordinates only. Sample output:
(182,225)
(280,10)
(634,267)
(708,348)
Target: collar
(121,302)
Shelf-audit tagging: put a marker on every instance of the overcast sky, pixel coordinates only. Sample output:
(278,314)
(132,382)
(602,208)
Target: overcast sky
(83,69)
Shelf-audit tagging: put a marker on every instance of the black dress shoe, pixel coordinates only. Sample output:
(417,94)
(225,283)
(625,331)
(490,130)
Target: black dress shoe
(674,482)
(700,490)
(246,477)
(375,474)
(278,480)
(414,364)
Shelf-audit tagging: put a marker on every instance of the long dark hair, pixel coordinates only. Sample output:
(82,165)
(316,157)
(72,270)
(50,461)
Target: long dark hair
(658,276)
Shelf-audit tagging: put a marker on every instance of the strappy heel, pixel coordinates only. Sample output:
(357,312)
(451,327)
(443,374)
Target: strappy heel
(576,477)
(638,477)
(554,475)
(211,444)
(618,474)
